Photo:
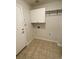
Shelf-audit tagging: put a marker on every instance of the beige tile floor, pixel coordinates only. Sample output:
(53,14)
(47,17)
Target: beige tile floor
(40,49)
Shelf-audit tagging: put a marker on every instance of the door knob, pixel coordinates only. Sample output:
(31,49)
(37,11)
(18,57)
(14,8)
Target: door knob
(22,31)
(22,28)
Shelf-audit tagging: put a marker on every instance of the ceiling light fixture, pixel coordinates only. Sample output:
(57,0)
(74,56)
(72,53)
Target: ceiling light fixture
(37,1)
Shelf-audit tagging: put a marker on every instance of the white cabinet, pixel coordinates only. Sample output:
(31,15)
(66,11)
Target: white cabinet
(38,15)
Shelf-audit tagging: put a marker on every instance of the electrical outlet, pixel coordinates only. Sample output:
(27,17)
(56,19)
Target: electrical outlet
(52,35)
(49,34)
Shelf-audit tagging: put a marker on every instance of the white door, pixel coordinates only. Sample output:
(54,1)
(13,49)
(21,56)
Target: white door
(20,30)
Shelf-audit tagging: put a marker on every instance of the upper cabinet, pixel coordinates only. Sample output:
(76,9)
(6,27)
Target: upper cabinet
(38,15)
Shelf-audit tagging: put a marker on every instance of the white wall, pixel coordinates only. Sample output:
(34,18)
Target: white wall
(53,29)
(26,14)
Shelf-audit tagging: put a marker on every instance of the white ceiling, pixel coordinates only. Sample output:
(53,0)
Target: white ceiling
(32,2)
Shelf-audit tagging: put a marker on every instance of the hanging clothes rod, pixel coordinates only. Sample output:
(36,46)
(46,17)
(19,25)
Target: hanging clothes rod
(54,11)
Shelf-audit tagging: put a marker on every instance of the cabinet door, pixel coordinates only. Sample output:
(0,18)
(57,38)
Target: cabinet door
(38,15)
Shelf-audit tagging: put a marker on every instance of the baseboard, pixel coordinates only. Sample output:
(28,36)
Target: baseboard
(21,51)
(41,38)
(28,42)
(24,47)
(59,44)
